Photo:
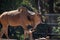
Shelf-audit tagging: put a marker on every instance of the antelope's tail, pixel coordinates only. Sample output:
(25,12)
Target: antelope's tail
(0,19)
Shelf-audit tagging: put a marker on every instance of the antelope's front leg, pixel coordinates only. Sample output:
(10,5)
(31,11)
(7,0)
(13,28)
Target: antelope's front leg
(30,35)
(25,34)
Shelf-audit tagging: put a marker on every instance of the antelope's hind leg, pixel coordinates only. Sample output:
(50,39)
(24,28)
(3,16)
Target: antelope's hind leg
(1,34)
(4,31)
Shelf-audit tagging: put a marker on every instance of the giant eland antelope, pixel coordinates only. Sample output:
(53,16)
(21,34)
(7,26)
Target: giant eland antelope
(19,17)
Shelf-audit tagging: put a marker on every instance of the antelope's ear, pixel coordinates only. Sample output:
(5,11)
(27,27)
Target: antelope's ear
(22,8)
(19,9)
(47,37)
